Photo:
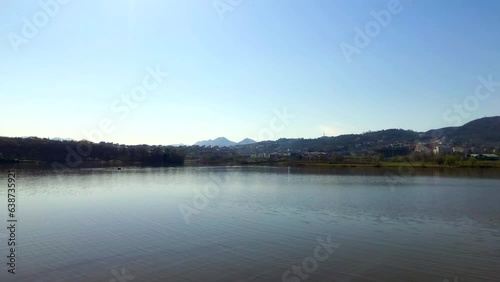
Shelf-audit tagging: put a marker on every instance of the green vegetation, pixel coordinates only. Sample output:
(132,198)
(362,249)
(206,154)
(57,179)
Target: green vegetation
(466,164)
(46,150)
(73,153)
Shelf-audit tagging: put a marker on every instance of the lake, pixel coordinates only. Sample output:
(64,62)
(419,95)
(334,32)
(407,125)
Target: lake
(253,224)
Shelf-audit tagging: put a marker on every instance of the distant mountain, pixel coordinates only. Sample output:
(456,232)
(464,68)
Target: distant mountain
(224,142)
(61,139)
(221,142)
(247,141)
(177,145)
(483,131)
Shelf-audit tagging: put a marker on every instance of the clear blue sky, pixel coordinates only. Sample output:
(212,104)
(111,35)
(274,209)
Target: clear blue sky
(229,71)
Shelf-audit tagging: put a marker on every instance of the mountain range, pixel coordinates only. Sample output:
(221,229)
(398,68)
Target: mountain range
(480,133)
(224,142)
(483,131)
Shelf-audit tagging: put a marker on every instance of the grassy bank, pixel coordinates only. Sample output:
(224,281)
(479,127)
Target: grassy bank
(479,164)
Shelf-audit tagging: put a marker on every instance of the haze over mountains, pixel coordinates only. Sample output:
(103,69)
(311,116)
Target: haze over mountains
(478,136)
(224,142)
(483,131)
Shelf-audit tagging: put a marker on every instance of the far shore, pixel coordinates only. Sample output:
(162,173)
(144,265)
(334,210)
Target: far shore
(275,163)
(484,164)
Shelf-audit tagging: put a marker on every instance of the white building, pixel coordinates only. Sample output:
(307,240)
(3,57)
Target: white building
(442,149)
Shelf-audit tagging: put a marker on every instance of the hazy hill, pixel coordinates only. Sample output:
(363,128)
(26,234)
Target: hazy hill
(340,143)
(481,132)
(246,141)
(224,142)
(484,131)
(221,142)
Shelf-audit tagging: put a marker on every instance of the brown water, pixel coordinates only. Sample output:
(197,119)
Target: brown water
(254,224)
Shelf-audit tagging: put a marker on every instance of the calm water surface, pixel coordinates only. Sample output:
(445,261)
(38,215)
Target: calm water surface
(254,224)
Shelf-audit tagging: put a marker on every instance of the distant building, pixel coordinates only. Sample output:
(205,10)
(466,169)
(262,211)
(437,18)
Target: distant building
(279,155)
(459,150)
(315,156)
(442,149)
(423,148)
(486,157)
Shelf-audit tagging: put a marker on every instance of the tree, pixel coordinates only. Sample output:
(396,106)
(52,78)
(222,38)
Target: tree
(450,160)
(440,160)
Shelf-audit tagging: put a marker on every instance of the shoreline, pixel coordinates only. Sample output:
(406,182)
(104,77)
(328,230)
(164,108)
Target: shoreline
(273,163)
(388,165)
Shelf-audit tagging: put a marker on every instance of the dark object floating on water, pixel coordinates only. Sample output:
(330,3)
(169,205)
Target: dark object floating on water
(119,168)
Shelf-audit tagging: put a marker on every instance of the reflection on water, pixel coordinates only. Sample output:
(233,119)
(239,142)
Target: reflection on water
(256,223)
